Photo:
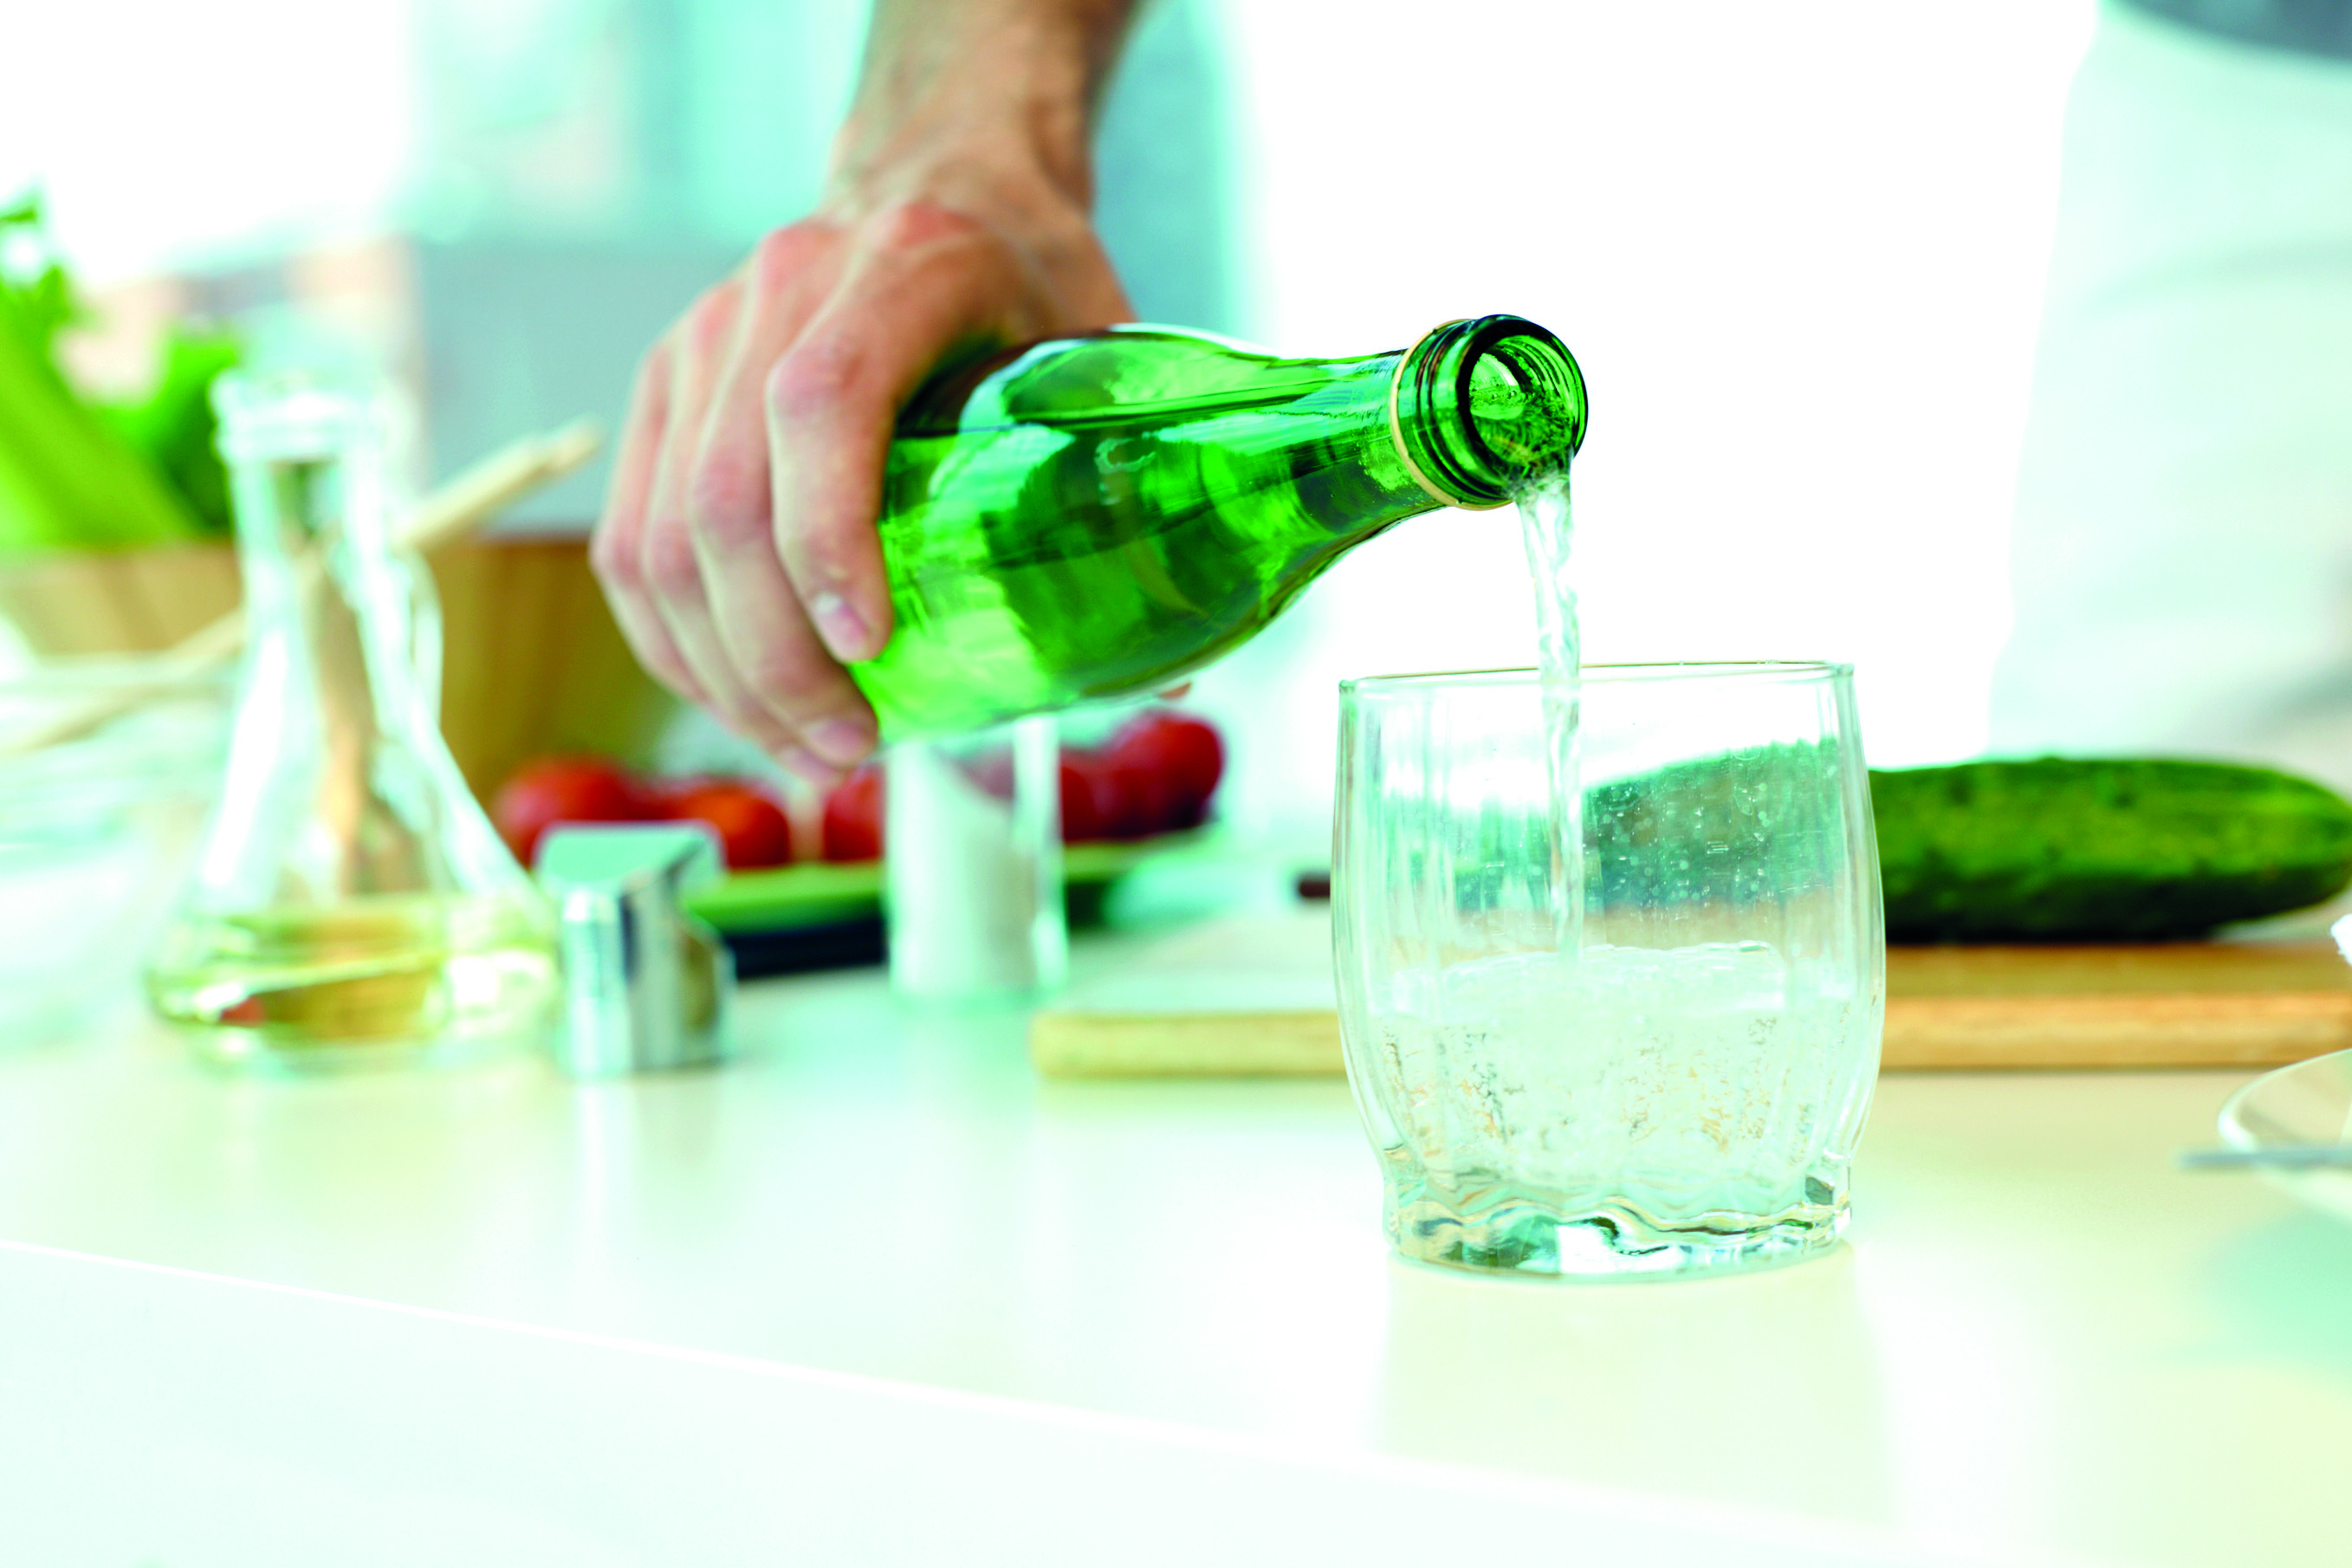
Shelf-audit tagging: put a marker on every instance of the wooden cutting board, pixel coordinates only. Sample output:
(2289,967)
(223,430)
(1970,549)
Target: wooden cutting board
(1254,996)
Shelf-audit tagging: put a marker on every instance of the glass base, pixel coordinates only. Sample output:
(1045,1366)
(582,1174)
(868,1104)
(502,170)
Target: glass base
(1518,1234)
(381,981)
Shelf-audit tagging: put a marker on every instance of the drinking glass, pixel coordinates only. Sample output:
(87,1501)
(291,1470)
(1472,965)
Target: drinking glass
(1653,1055)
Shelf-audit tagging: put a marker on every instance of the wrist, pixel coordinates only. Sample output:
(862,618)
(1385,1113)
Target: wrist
(977,101)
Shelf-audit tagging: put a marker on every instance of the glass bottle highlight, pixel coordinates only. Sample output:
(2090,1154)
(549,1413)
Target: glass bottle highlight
(350,902)
(1099,517)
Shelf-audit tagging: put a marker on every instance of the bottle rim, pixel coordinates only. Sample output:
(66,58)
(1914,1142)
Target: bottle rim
(1429,406)
(1710,672)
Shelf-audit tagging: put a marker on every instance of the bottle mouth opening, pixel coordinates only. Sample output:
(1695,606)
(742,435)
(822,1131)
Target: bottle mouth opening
(1508,404)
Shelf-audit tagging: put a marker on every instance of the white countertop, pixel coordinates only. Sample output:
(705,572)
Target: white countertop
(697,1319)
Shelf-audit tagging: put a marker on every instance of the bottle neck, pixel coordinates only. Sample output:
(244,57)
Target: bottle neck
(305,474)
(326,600)
(1478,408)
(1465,417)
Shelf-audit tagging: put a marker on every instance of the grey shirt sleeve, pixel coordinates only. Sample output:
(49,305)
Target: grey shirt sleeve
(2305,27)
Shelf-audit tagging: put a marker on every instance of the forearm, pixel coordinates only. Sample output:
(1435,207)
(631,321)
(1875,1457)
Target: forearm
(986,91)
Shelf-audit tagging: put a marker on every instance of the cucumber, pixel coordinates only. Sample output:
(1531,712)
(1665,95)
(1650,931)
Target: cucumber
(2076,849)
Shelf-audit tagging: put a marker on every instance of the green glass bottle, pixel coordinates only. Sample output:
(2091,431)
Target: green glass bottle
(1099,517)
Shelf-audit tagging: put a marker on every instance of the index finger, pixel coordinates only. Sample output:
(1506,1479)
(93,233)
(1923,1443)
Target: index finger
(728,508)
(933,280)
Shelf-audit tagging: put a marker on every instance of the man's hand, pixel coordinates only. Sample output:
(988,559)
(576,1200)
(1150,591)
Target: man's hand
(737,545)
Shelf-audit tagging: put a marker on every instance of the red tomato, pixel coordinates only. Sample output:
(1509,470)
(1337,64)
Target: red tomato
(1185,758)
(852,817)
(1145,801)
(753,830)
(1082,821)
(562,789)
(1105,798)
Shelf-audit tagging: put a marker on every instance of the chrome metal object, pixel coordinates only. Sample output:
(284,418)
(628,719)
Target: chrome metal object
(646,985)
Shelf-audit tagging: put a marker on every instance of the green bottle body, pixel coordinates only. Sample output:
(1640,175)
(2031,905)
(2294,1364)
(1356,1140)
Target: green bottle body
(1099,517)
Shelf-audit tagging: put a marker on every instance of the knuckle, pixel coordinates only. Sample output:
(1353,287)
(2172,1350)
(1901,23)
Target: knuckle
(711,318)
(920,225)
(782,254)
(776,680)
(614,559)
(784,678)
(809,379)
(727,500)
(813,695)
(756,724)
(825,707)
(741,714)
(667,565)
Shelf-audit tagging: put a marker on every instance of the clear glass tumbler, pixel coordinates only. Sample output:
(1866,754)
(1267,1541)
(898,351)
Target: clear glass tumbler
(1671,1074)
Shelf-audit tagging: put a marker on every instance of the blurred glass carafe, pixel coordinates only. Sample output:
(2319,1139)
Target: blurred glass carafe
(350,904)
